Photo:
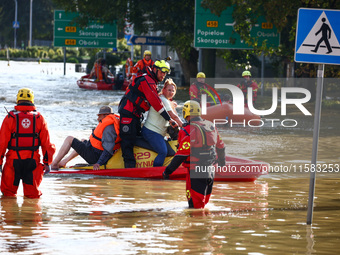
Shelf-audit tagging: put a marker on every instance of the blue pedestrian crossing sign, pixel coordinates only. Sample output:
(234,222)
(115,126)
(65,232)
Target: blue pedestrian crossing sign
(317,36)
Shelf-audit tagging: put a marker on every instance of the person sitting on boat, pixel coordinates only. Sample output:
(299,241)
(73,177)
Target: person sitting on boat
(200,149)
(23,132)
(199,87)
(139,97)
(155,126)
(96,71)
(141,66)
(248,83)
(106,72)
(103,143)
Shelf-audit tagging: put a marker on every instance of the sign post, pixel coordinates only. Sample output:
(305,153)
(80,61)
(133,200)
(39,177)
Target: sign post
(316,42)
(216,32)
(95,35)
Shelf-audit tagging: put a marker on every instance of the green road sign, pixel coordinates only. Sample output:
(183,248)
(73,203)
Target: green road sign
(95,35)
(216,32)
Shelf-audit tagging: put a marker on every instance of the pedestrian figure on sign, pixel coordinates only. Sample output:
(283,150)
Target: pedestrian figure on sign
(326,34)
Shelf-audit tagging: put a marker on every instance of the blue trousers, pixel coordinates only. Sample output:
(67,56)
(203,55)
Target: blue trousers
(157,143)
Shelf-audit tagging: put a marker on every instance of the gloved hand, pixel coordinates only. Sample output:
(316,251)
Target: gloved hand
(47,169)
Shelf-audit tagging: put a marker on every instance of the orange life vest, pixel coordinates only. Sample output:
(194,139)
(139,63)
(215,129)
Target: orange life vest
(97,133)
(25,137)
(98,71)
(128,67)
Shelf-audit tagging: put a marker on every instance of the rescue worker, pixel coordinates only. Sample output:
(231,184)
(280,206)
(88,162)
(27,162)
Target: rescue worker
(96,72)
(199,87)
(139,97)
(128,68)
(106,72)
(141,66)
(200,149)
(23,131)
(248,83)
(103,143)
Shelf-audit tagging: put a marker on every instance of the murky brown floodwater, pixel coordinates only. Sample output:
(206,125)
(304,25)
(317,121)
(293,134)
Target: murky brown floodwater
(111,216)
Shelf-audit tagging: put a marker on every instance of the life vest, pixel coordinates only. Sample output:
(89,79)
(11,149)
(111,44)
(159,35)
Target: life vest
(203,140)
(26,136)
(136,96)
(98,71)
(97,133)
(144,65)
(128,67)
(244,87)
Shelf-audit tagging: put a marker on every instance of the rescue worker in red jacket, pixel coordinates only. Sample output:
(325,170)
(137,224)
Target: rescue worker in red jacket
(138,98)
(23,132)
(199,87)
(103,143)
(141,66)
(248,83)
(200,150)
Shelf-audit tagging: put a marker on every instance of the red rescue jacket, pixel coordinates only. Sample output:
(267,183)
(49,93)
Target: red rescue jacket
(199,141)
(23,131)
(141,67)
(197,89)
(244,85)
(141,95)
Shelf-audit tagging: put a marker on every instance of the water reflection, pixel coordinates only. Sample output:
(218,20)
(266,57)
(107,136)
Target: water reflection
(21,221)
(111,216)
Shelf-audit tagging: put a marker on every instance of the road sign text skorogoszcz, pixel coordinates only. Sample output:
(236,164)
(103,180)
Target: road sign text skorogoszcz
(95,35)
(216,32)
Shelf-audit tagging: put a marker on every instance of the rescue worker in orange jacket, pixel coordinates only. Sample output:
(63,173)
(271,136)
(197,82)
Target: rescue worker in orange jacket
(141,66)
(96,72)
(200,150)
(103,142)
(248,83)
(138,98)
(23,132)
(199,87)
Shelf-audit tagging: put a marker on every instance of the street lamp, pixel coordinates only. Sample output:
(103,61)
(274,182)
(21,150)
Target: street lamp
(30,39)
(15,24)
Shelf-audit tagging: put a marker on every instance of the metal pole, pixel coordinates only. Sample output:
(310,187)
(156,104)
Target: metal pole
(200,64)
(64,48)
(15,25)
(31,10)
(262,73)
(131,54)
(316,132)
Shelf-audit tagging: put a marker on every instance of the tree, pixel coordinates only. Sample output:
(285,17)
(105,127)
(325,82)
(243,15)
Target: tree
(282,13)
(42,20)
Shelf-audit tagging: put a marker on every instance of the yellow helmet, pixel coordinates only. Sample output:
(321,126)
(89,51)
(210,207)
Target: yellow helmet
(25,94)
(147,52)
(163,66)
(191,108)
(200,75)
(246,73)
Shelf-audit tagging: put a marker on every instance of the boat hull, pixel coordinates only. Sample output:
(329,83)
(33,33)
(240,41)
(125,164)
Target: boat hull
(86,83)
(223,112)
(236,170)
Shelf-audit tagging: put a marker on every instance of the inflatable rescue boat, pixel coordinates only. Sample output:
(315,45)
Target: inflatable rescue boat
(85,82)
(224,112)
(235,170)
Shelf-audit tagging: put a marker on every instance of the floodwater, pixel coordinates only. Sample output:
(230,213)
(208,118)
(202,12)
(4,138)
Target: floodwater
(112,216)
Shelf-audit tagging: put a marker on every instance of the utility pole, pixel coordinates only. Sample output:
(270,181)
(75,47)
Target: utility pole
(15,24)
(31,10)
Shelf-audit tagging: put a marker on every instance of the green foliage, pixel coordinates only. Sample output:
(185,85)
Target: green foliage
(72,60)
(331,104)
